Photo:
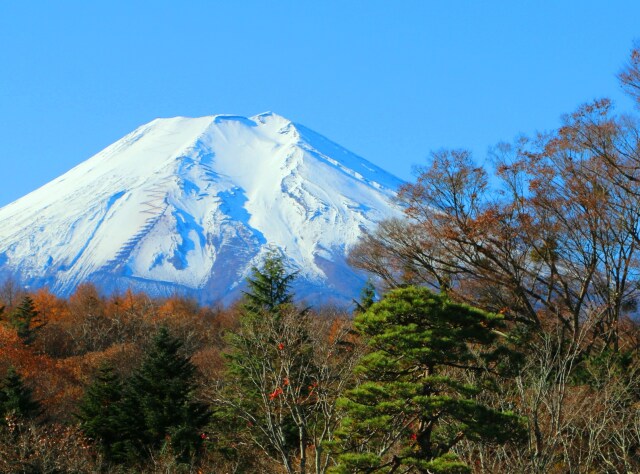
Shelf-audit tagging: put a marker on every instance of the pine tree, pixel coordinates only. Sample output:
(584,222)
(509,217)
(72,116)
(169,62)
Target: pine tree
(25,320)
(158,409)
(98,410)
(270,285)
(16,399)
(429,360)
(367,297)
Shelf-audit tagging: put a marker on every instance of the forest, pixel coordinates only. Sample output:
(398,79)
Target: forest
(498,333)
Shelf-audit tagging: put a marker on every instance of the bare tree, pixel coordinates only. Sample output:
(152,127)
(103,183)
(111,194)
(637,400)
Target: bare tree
(630,76)
(287,371)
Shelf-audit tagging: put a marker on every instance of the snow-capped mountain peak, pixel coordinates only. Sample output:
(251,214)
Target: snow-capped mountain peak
(191,204)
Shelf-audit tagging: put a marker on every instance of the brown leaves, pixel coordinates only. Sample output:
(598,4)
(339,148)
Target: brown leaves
(554,236)
(630,75)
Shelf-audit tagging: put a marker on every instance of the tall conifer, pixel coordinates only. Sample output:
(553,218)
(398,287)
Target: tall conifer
(98,410)
(24,320)
(158,409)
(269,286)
(16,399)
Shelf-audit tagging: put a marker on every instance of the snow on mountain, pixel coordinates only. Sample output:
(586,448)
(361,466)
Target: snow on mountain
(189,205)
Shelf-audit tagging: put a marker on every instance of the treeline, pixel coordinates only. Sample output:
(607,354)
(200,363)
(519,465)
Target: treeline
(413,383)
(63,363)
(132,384)
(128,383)
(502,337)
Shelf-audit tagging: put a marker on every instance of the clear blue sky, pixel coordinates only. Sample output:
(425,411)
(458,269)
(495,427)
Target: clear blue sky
(390,80)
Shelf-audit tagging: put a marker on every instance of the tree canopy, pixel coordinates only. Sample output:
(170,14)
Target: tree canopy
(429,361)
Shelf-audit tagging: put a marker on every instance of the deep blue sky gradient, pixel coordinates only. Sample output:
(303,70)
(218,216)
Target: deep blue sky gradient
(390,80)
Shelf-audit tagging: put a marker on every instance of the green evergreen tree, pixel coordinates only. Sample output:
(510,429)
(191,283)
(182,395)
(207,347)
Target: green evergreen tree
(16,399)
(158,409)
(429,360)
(98,409)
(270,285)
(25,320)
(367,297)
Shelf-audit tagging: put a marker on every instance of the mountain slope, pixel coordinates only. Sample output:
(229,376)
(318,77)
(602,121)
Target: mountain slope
(190,204)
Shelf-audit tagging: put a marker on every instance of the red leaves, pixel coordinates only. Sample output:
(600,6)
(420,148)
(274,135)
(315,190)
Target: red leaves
(279,391)
(286,383)
(276,393)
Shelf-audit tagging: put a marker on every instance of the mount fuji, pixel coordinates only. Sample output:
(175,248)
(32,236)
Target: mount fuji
(189,205)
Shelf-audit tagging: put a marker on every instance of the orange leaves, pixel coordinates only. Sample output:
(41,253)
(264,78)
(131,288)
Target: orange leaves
(176,307)
(52,380)
(276,393)
(88,329)
(49,306)
(86,299)
(488,218)
(8,336)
